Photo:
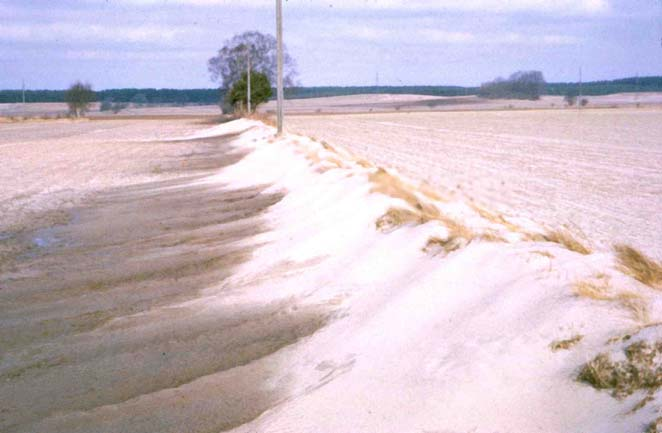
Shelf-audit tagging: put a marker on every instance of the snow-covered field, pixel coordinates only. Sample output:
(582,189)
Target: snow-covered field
(597,171)
(364,103)
(440,315)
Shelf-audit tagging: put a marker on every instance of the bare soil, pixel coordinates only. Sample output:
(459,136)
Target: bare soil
(115,304)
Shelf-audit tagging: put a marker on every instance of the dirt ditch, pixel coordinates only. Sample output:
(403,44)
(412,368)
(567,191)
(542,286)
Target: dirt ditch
(102,325)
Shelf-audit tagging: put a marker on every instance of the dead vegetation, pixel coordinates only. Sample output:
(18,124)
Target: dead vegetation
(600,290)
(435,244)
(559,236)
(565,344)
(428,190)
(396,217)
(491,236)
(543,253)
(496,218)
(641,370)
(644,401)
(565,238)
(264,118)
(638,266)
(385,183)
(364,163)
(655,426)
(422,212)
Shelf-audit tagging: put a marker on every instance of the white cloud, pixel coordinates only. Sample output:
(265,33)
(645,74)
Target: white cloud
(66,32)
(563,7)
(135,55)
(446,37)
(426,36)
(510,38)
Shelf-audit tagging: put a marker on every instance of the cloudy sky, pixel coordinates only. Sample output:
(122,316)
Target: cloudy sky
(166,43)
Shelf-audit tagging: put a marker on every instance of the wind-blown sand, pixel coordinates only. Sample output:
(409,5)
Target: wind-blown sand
(375,303)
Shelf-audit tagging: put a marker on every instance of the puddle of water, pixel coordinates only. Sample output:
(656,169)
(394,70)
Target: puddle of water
(45,238)
(48,236)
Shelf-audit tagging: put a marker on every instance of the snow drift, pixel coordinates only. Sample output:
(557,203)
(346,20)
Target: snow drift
(445,317)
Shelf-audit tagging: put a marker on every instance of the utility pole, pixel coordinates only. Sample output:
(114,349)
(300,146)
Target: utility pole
(579,98)
(279,83)
(23,90)
(248,79)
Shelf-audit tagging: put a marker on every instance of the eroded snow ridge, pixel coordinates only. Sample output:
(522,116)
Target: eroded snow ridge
(446,317)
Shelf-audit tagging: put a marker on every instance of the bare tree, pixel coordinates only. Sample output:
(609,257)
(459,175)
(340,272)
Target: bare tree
(78,97)
(229,65)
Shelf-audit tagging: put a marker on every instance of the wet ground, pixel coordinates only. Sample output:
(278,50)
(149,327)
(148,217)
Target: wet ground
(113,314)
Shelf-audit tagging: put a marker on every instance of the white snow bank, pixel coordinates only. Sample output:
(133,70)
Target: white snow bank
(453,342)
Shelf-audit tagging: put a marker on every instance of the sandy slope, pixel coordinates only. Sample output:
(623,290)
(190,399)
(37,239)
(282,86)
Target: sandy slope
(595,170)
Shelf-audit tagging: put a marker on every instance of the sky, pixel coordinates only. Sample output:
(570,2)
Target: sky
(166,43)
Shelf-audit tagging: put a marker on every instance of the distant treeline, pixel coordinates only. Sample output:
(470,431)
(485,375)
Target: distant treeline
(318,92)
(148,96)
(213,96)
(623,85)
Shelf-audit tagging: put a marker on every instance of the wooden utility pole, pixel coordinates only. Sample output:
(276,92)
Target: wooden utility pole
(248,80)
(23,90)
(279,56)
(579,98)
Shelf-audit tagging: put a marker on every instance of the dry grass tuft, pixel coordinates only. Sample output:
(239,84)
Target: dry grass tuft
(364,163)
(313,157)
(396,217)
(639,371)
(649,397)
(496,219)
(565,344)
(456,228)
(335,161)
(387,184)
(635,304)
(638,266)
(593,290)
(491,236)
(565,238)
(600,291)
(655,426)
(436,244)
(543,253)
(427,190)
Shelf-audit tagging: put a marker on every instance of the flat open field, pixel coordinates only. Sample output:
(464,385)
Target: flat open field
(598,171)
(392,103)
(363,103)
